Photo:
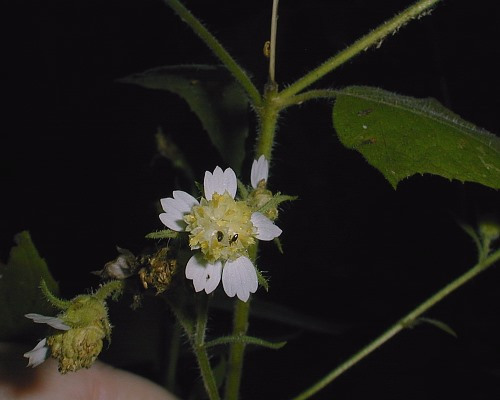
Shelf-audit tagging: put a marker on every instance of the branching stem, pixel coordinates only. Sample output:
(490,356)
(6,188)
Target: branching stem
(214,45)
(373,38)
(400,325)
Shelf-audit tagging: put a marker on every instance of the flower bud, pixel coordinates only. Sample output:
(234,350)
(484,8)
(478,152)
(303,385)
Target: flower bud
(260,197)
(489,229)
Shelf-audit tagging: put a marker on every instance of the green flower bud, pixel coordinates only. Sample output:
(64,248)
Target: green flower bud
(489,230)
(260,197)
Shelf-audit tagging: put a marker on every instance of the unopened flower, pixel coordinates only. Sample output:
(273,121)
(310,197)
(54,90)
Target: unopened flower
(260,196)
(223,229)
(260,172)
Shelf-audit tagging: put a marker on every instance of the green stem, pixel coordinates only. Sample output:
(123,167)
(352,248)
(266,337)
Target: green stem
(298,99)
(218,50)
(235,365)
(199,348)
(272,54)
(268,118)
(111,288)
(55,301)
(237,349)
(400,325)
(373,38)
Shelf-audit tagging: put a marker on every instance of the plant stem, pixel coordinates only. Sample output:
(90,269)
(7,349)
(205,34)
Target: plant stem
(400,325)
(110,288)
(272,54)
(218,50)
(198,342)
(298,99)
(373,38)
(237,349)
(235,364)
(268,118)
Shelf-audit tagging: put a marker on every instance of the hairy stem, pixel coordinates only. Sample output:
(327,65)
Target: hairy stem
(214,45)
(268,118)
(198,342)
(300,98)
(373,38)
(404,322)
(235,364)
(237,349)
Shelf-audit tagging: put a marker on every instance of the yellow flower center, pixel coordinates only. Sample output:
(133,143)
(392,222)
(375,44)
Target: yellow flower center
(221,228)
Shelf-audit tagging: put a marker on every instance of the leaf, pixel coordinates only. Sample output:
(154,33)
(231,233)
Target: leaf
(438,324)
(402,136)
(262,280)
(217,100)
(19,288)
(277,313)
(275,201)
(163,234)
(246,340)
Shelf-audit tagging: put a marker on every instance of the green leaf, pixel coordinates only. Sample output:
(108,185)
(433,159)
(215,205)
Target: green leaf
(402,136)
(275,201)
(262,280)
(277,313)
(212,94)
(163,234)
(20,288)
(438,324)
(246,340)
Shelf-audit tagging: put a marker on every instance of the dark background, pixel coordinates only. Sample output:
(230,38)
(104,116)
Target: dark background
(78,168)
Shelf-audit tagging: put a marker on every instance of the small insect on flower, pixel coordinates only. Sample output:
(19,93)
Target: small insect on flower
(234,238)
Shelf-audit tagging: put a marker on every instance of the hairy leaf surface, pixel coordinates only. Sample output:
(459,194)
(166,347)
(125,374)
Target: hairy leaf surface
(402,136)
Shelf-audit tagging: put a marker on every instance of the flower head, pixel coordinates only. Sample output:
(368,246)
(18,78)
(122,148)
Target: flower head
(223,229)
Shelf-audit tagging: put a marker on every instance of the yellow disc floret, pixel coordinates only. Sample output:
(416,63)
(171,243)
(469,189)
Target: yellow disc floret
(221,228)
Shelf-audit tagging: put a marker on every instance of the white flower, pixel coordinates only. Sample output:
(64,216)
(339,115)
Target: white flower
(260,171)
(40,352)
(222,229)
(38,355)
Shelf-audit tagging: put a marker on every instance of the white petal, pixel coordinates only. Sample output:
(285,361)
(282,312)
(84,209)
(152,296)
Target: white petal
(260,170)
(186,198)
(266,230)
(175,208)
(205,276)
(208,185)
(239,278)
(38,355)
(220,182)
(173,221)
(51,321)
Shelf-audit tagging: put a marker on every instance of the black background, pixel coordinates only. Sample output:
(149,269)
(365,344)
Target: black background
(78,169)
